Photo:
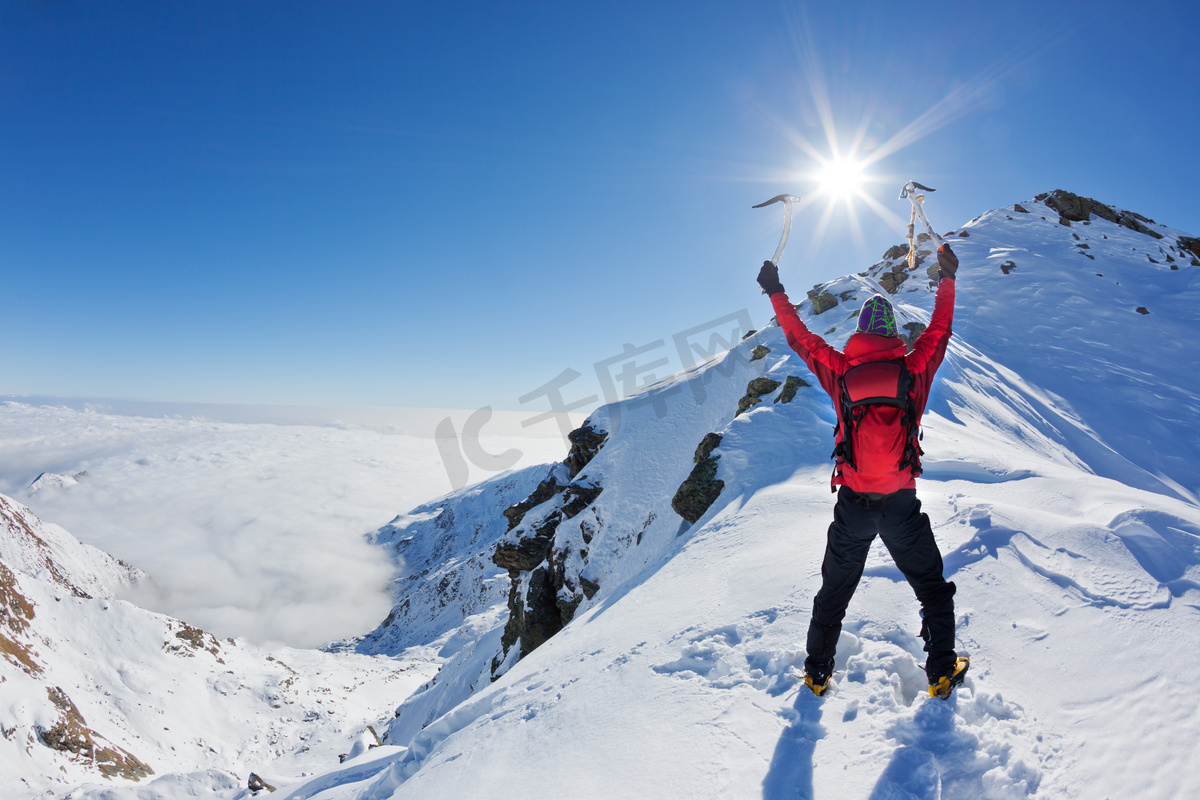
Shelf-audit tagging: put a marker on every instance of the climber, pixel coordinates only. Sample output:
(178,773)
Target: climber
(879,409)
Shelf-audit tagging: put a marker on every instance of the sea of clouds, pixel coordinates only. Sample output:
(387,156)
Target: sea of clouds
(251,529)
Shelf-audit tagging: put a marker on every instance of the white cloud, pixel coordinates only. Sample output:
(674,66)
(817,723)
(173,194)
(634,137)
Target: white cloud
(253,530)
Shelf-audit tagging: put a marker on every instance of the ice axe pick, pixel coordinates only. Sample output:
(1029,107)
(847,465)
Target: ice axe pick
(787,200)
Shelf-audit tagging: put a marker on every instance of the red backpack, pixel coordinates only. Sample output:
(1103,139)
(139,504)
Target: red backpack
(891,441)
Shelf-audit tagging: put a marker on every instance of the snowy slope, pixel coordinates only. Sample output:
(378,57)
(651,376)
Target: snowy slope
(96,690)
(1061,481)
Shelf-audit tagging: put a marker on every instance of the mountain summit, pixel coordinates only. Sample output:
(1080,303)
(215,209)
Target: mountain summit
(629,622)
(659,588)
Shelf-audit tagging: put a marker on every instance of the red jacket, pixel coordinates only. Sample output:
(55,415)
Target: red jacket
(882,424)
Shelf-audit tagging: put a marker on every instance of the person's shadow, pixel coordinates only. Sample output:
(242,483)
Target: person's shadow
(934,758)
(790,776)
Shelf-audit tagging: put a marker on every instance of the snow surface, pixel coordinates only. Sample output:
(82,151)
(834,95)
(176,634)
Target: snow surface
(1062,485)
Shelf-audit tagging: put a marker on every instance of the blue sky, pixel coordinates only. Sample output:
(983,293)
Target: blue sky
(449,205)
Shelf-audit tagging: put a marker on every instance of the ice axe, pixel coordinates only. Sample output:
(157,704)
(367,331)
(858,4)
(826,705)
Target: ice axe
(909,192)
(787,200)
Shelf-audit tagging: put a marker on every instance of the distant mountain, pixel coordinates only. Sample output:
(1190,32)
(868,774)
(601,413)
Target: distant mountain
(95,689)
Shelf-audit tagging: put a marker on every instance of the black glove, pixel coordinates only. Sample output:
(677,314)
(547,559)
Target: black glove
(947,261)
(768,278)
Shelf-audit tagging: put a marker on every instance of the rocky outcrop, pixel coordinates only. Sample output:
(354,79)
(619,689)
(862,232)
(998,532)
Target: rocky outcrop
(190,640)
(755,390)
(790,385)
(257,784)
(546,587)
(1076,208)
(701,488)
(586,442)
(890,281)
(1190,247)
(16,612)
(516,512)
(70,734)
(759,352)
(821,300)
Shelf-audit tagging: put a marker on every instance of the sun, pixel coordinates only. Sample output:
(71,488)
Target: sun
(840,178)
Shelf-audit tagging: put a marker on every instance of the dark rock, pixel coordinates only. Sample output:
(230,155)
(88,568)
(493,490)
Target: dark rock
(748,334)
(790,385)
(528,551)
(899,251)
(1064,221)
(821,301)
(964,234)
(1008,266)
(542,618)
(544,491)
(1020,208)
(922,238)
(1142,310)
(586,442)
(257,784)
(698,491)
(759,352)
(1190,244)
(754,393)
(70,734)
(516,620)
(890,281)
(1076,208)
(589,587)
(710,442)
(578,497)
(1135,222)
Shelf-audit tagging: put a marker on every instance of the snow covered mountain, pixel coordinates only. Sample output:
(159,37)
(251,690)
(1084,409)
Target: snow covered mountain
(641,654)
(627,623)
(96,690)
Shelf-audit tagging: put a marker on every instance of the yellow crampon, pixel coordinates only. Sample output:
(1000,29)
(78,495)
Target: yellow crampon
(945,685)
(817,688)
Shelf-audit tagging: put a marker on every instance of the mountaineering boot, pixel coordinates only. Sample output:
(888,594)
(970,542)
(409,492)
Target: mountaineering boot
(945,685)
(817,677)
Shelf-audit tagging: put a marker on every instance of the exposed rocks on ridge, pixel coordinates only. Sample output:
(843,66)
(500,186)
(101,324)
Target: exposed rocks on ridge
(701,488)
(755,390)
(546,587)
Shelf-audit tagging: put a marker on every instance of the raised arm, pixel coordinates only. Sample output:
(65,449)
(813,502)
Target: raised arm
(930,347)
(825,361)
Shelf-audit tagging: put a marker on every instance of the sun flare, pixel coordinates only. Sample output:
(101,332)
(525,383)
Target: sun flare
(841,178)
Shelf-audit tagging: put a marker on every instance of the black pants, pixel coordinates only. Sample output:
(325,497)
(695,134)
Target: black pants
(906,532)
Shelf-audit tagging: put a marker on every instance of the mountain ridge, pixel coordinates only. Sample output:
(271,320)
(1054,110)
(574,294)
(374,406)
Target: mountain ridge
(1070,524)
